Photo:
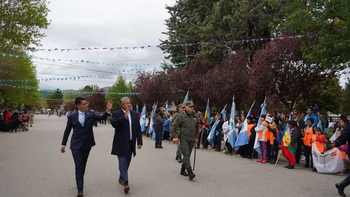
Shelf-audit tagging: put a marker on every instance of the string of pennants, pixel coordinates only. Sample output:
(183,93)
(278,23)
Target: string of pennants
(66,78)
(69,91)
(91,62)
(158,45)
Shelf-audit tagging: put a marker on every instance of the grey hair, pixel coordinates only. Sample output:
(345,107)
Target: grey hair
(122,100)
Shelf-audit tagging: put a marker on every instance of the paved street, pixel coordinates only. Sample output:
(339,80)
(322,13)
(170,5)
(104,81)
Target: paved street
(31,165)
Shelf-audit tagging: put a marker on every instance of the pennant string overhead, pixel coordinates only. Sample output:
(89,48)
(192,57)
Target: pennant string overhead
(91,62)
(154,46)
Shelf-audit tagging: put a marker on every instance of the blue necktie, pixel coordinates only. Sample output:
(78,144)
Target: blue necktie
(82,119)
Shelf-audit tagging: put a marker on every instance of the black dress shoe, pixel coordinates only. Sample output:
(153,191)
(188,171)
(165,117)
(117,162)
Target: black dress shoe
(287,166)
(291,167)
(179,160)
(80,193)
(160,146)
(340,189)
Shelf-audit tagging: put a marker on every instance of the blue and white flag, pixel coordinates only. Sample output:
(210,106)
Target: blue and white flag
(150,130)
(143,119)
(257,142)
(223,113)
(242,138)
(166,108)
(232,133)
(211,137)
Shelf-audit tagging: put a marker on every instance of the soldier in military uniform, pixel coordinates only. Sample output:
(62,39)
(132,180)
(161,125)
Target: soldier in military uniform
(173,133)
(187,127)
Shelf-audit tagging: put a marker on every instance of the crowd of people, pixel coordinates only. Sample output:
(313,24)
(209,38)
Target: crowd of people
(7,115)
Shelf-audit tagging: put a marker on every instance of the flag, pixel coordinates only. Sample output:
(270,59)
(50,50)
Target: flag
(211,137)
(143,119)
(223,113)
(232,133)
(166,107)
(186,99)
(137,108)
(150,130)
(207,118)
(242,138)
(153,112)
(288,151)
(257,142)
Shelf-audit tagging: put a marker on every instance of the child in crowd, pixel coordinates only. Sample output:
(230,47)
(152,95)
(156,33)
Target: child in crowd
(264,136)
(308,132)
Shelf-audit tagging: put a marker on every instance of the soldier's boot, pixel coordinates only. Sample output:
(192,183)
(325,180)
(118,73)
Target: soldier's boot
(183,171)
(191,174)
(179,159)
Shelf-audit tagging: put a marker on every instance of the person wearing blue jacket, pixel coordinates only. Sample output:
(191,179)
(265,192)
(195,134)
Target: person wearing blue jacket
(166,126)
(311,114)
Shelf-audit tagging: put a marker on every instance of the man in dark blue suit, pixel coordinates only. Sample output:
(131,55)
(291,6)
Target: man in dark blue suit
(127,132)
(83,137)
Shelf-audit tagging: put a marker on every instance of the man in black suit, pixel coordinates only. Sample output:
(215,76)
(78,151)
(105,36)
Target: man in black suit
(127,131)
(83,137)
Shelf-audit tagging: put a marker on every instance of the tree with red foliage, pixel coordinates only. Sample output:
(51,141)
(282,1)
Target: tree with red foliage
(97,101)
(70,107)
(225,80)
(280,69)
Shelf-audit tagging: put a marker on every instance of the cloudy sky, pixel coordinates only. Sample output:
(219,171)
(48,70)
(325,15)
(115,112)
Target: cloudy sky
(103,23)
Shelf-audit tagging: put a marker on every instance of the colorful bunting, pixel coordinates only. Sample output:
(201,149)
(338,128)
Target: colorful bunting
(154,46)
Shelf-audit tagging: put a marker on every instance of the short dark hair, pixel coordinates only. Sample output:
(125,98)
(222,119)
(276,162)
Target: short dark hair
(78,100)
(311,120)
(310,108)
(157,111)
(345,120)
(263,116)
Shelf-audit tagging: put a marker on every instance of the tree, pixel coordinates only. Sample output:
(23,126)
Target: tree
(346,105)
(90,88)
(325,29)
(21,22)
(280,69)
(17,78)
(326,93)
(233,20)
(184,26)
(120,86)
(224,81)
(97,101)
(55,99)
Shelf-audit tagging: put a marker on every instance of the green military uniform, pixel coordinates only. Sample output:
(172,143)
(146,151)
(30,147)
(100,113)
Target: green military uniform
(187,126)
(174,134)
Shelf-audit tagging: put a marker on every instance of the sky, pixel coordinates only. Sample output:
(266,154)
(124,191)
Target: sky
(103,23)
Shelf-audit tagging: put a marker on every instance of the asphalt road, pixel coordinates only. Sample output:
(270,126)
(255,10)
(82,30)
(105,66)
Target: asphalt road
(31,165)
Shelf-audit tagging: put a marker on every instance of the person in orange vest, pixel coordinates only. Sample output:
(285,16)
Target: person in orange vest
(308,132)
(273,142)
(264,136)
(318,138)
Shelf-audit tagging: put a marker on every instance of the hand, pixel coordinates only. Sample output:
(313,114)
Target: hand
(23,117)
(127,113)
(177,141)
(139,146)
(63,149)
(109,105)
(196,141)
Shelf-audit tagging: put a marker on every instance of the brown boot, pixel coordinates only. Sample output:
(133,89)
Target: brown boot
(126,188)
